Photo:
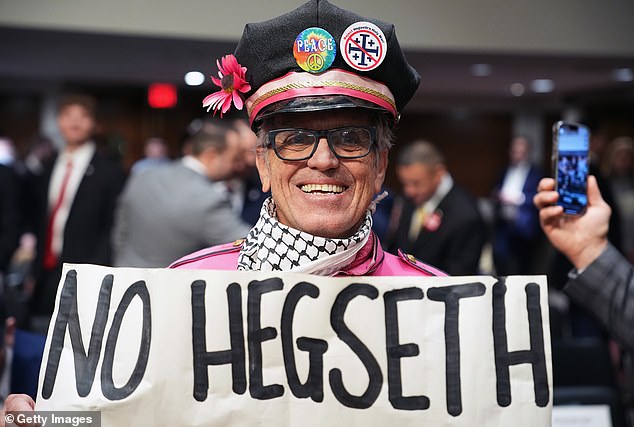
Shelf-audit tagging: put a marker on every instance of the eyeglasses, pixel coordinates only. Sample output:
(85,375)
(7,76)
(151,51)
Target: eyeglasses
(351,142)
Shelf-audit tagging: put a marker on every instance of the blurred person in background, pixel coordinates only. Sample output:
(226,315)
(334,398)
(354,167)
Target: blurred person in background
(171,210)
(71,205)
(9,207)
(516,229)
(7,152)
(246,188)
(17,279)
(7,335)
(41,151)
(155,154)
(438,221)
(617,167)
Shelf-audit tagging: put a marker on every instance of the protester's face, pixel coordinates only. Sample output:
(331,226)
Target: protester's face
(76,125)
(324,195)
(419,180)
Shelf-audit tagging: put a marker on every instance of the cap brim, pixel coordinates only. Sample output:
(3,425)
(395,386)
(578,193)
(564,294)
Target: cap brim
(307,104)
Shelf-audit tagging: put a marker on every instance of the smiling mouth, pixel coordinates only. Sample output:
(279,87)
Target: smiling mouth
(323,188)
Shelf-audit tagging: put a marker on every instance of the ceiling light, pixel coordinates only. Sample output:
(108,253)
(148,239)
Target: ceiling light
(481,70)
(517,89)
(623,74)
(194,78)
(542,85)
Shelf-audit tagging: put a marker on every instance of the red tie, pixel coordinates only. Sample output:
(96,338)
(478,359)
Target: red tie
(50,258)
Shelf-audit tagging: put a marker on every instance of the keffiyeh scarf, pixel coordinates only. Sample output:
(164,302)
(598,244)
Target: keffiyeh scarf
(272,246)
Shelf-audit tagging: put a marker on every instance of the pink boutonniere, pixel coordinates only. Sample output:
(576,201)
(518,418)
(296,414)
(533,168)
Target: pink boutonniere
(433,221)
(232,83)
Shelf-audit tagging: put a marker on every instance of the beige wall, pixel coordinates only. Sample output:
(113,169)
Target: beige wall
(558,26)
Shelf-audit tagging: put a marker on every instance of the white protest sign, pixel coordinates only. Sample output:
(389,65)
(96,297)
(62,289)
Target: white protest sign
(222,348)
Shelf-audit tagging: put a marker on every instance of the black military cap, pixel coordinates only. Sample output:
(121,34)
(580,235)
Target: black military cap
(318,57)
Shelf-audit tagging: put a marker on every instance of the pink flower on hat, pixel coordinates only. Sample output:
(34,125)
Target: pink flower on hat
(232,83)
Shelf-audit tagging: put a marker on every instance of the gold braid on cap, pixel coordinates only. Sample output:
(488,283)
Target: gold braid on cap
(328,83)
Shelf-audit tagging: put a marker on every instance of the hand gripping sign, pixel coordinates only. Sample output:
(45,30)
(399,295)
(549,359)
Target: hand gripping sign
(221,348)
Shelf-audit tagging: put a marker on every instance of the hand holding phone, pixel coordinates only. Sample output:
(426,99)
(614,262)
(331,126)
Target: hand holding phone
(571,142)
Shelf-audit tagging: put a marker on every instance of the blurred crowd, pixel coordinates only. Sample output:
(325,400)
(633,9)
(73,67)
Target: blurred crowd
(76,204)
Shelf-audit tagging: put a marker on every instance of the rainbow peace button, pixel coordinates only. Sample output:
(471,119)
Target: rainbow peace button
(314,50)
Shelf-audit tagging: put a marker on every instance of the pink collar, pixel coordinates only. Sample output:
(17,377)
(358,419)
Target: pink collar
(367,260)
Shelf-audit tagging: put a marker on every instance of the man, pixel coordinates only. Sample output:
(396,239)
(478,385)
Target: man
(73,205)
(245,187)
(155,154)
(437,221)
(324,122)
(602,280)
(323,143)
(169,211)
(516,225)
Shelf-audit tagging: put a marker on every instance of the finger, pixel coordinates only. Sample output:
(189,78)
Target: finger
(550,213)
(594,195)
(19,402)
(545,198)
(546,184)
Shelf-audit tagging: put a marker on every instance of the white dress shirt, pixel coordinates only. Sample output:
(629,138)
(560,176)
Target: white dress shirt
(80,158)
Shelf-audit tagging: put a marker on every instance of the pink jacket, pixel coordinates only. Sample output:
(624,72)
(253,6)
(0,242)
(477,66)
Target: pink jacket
(370,261)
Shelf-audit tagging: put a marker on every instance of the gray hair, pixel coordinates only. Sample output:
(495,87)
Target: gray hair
(420,152)
(208,137)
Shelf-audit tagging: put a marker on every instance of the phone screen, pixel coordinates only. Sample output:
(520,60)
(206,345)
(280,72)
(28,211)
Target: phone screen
(572,141)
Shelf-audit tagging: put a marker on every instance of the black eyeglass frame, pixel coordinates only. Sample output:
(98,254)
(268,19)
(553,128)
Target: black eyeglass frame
(319,134)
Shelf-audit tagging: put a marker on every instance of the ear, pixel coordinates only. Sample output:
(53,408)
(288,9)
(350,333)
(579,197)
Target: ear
(439,172)
(262,165)
(381,170)
(207,158)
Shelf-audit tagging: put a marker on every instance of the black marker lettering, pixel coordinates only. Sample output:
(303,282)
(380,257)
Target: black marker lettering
(203,358)
(314,385)
(109,390)
(67,317)
(396,351)
(451,296)
(359,348)
(505,358)
(257,335)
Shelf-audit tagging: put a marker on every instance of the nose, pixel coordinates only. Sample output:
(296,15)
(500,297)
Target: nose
(323,158)
(410,192)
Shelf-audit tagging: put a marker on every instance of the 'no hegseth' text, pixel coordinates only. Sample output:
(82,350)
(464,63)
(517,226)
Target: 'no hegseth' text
(244,355)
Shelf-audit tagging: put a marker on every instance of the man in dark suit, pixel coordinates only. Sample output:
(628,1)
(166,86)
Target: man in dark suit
(437,221)
(73,204)
(516,225)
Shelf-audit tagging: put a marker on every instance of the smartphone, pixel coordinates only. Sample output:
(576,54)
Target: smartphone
(570,165)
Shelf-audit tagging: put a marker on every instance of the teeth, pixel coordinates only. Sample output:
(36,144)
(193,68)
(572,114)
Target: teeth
(322,188)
